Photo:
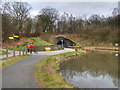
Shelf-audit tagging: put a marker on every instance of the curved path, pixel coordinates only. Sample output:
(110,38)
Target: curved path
(20,74)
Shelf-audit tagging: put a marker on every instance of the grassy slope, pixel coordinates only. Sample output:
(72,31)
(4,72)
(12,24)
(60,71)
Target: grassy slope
(47,74)
(39,41)
(11,60)
(86,41)
(34,41)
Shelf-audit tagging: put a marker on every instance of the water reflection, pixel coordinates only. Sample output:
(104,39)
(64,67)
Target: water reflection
(91,70)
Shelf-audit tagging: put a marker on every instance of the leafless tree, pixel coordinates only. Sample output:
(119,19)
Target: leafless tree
(95,19)
(48,16)
(7,27)
(19,12)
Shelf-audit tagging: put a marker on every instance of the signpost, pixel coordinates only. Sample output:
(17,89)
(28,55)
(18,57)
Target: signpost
(10,37)
(16,36)
(13,36)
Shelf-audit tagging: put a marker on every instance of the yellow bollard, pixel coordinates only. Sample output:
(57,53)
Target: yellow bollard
(47,48)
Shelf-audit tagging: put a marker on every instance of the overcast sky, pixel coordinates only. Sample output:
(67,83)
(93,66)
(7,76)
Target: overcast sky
(78,9)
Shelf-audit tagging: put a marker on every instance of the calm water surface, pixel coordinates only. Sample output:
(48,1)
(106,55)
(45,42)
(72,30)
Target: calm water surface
(95,69)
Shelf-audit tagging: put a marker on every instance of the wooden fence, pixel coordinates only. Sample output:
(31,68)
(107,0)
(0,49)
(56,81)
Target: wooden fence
(35,49)
(19,53)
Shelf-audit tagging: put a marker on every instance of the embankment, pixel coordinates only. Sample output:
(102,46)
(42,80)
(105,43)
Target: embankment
(47,73)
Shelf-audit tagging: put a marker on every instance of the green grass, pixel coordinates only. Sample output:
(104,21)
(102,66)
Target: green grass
(47,74)
(11,60)
(39,41)
(3,53)
(79,51)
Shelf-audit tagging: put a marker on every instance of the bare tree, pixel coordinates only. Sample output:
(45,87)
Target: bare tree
(7,27)
(64,27)
(48,16)
(95,19)
(19,12)
(39,26)
(115,12)
(28,27)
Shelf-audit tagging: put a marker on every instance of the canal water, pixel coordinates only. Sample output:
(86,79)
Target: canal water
(96,69)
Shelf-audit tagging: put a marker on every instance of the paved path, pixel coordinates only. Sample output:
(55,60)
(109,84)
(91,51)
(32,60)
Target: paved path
(20,74)
(39,53)
(54,52)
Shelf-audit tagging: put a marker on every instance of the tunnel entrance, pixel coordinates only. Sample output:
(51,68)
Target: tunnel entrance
(64,42)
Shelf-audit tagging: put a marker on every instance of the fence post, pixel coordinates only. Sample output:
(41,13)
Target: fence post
(7,53)
(13,52)
(23,51)
(26,51)
(19,52)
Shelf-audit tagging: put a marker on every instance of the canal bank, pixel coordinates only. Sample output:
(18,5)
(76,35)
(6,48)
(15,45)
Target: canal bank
(47,71)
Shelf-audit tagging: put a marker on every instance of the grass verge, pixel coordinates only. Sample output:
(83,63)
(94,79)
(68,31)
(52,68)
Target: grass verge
(3,53)
(11,60)
(47,74)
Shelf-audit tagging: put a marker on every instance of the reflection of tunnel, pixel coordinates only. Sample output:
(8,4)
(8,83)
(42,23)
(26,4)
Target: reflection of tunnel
(66,42)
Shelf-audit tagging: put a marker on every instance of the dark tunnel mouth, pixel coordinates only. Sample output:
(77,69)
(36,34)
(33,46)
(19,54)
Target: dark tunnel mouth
(74,44)
(66,42)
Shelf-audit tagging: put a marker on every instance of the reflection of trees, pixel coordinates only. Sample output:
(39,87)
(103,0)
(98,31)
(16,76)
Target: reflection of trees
(95,64)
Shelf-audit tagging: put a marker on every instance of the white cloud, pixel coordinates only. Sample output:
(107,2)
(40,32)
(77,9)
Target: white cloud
(33,13)
(78,9)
